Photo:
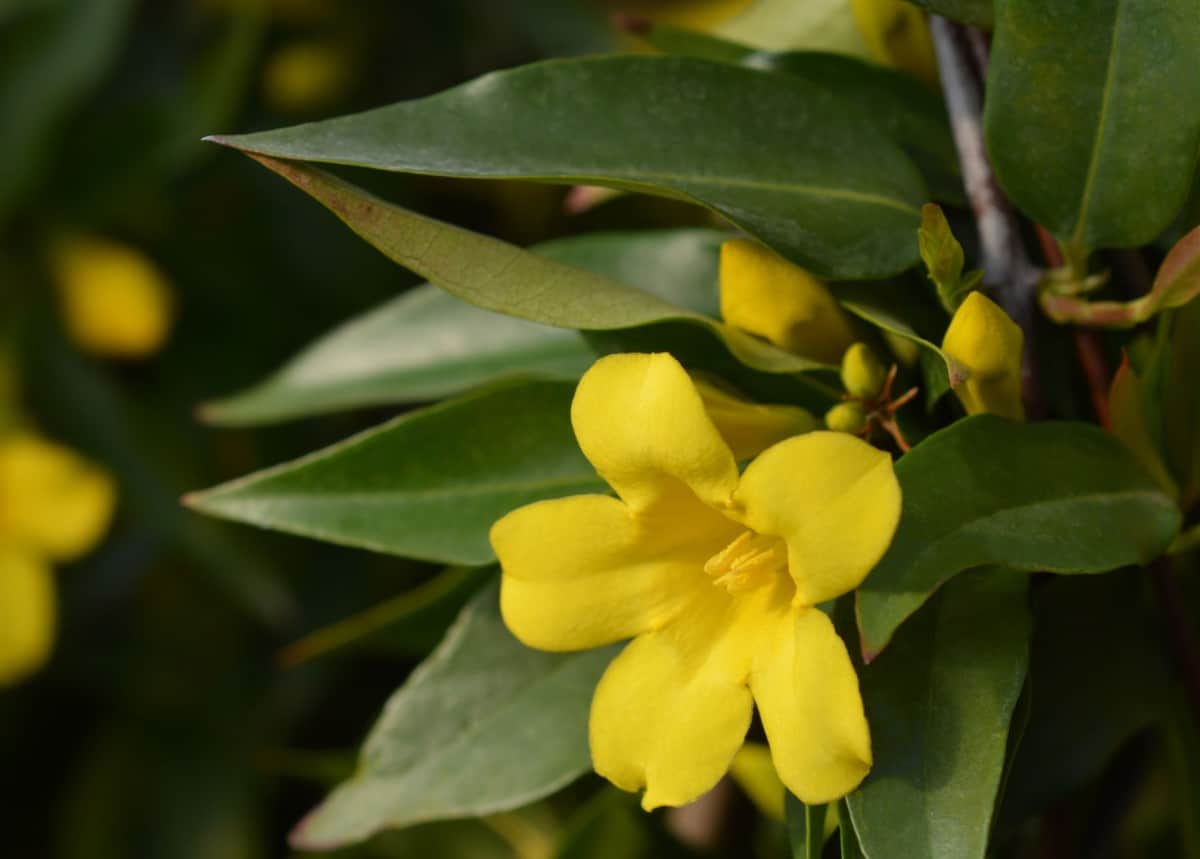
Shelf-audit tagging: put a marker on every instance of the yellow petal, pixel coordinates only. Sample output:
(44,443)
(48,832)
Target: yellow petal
(750,428)
(898,36)
(27,613)
(754,772)
(764,294)
(834,499)
(641,423)
(115,301)
(51,499)
(305,76)
(690,14)
(808,698)
(986,347)
(584,571)
(672,710)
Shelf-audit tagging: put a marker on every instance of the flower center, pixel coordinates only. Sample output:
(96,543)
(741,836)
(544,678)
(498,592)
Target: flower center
(750,561)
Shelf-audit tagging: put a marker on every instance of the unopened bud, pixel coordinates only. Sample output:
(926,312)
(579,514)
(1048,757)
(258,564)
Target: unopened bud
(849,417)
(862,374)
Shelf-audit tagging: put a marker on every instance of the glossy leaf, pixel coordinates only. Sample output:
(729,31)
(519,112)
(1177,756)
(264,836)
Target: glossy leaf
(497,276)
(426,485)
(1129,421)
(905,110)
(1089,105)
(484,725)
(987,491)
(976,12)
(775,155)
(427,344)
(939,703)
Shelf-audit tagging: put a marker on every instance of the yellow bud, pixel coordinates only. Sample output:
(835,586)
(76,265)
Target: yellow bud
(750,428)
(116,302)
(27,613)
(302,77)
(897,35)
(51,499)
(755,774)
(862,374)
(849,417)
(689,14)
(984,347)
(764,294)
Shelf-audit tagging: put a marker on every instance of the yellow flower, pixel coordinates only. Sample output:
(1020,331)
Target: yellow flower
(27,613)
(116,302)
(897,35)
(764,294)
(303,77)
(715,575)
(984,347)
(52,501)
(690,14)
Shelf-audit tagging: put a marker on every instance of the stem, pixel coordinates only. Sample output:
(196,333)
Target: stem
(1007,269)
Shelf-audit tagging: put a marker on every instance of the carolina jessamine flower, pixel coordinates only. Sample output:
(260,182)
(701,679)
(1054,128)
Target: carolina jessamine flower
(985,346)
(305,76)
(54,506)
(766,295)
(116,302)
(897,35)
(716,576)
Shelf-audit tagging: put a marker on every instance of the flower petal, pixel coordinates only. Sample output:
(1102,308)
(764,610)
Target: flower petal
(641,423)
(27,613)
(808,698)
(836,502)
(585,571)
(750,428)
(671,711)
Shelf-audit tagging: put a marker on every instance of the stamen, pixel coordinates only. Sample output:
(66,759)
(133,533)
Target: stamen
(750,561)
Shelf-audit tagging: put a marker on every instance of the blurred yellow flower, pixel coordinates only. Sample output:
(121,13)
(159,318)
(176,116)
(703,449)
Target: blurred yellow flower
(690,14)
(302,77)
(755,774)
(116,302)
(54,506)
(27,612)
(897,35)
(715,575)
(764,294)
(984,347)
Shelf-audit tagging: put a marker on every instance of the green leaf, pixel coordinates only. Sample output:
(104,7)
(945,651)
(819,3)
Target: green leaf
(847,837)
(987,491)
(497,276)
(939,704)
(49,61)
(692,43)
(1180,402)
(814,830)
(943,257)
(426,344)
(786,161)
(484,725)
(1098,675)
(976,12)
(1089,105)
(897,104)
(426,485)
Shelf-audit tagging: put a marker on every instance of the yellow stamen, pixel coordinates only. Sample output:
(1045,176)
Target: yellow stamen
(750,561)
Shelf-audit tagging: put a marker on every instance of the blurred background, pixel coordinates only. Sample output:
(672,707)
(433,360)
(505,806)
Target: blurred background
(143,273)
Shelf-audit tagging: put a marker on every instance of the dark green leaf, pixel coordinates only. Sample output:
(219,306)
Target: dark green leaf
(1097,675)
(497,276)
(977,12)
(779,157)
(939,704)
(484,725)
(1058,497)
(814,830)
(426,485)
(1090,103)
(427,344)
(897,104)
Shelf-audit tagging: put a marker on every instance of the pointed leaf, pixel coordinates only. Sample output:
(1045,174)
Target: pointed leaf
(426,485)
(774,154)
(987,491)
(484,725)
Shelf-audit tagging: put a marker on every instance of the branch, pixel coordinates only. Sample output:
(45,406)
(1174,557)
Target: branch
(1007,269)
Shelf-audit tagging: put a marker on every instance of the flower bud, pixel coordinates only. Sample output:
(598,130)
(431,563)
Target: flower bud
(766,295)
(984,347)
(862,374)
(849,417)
